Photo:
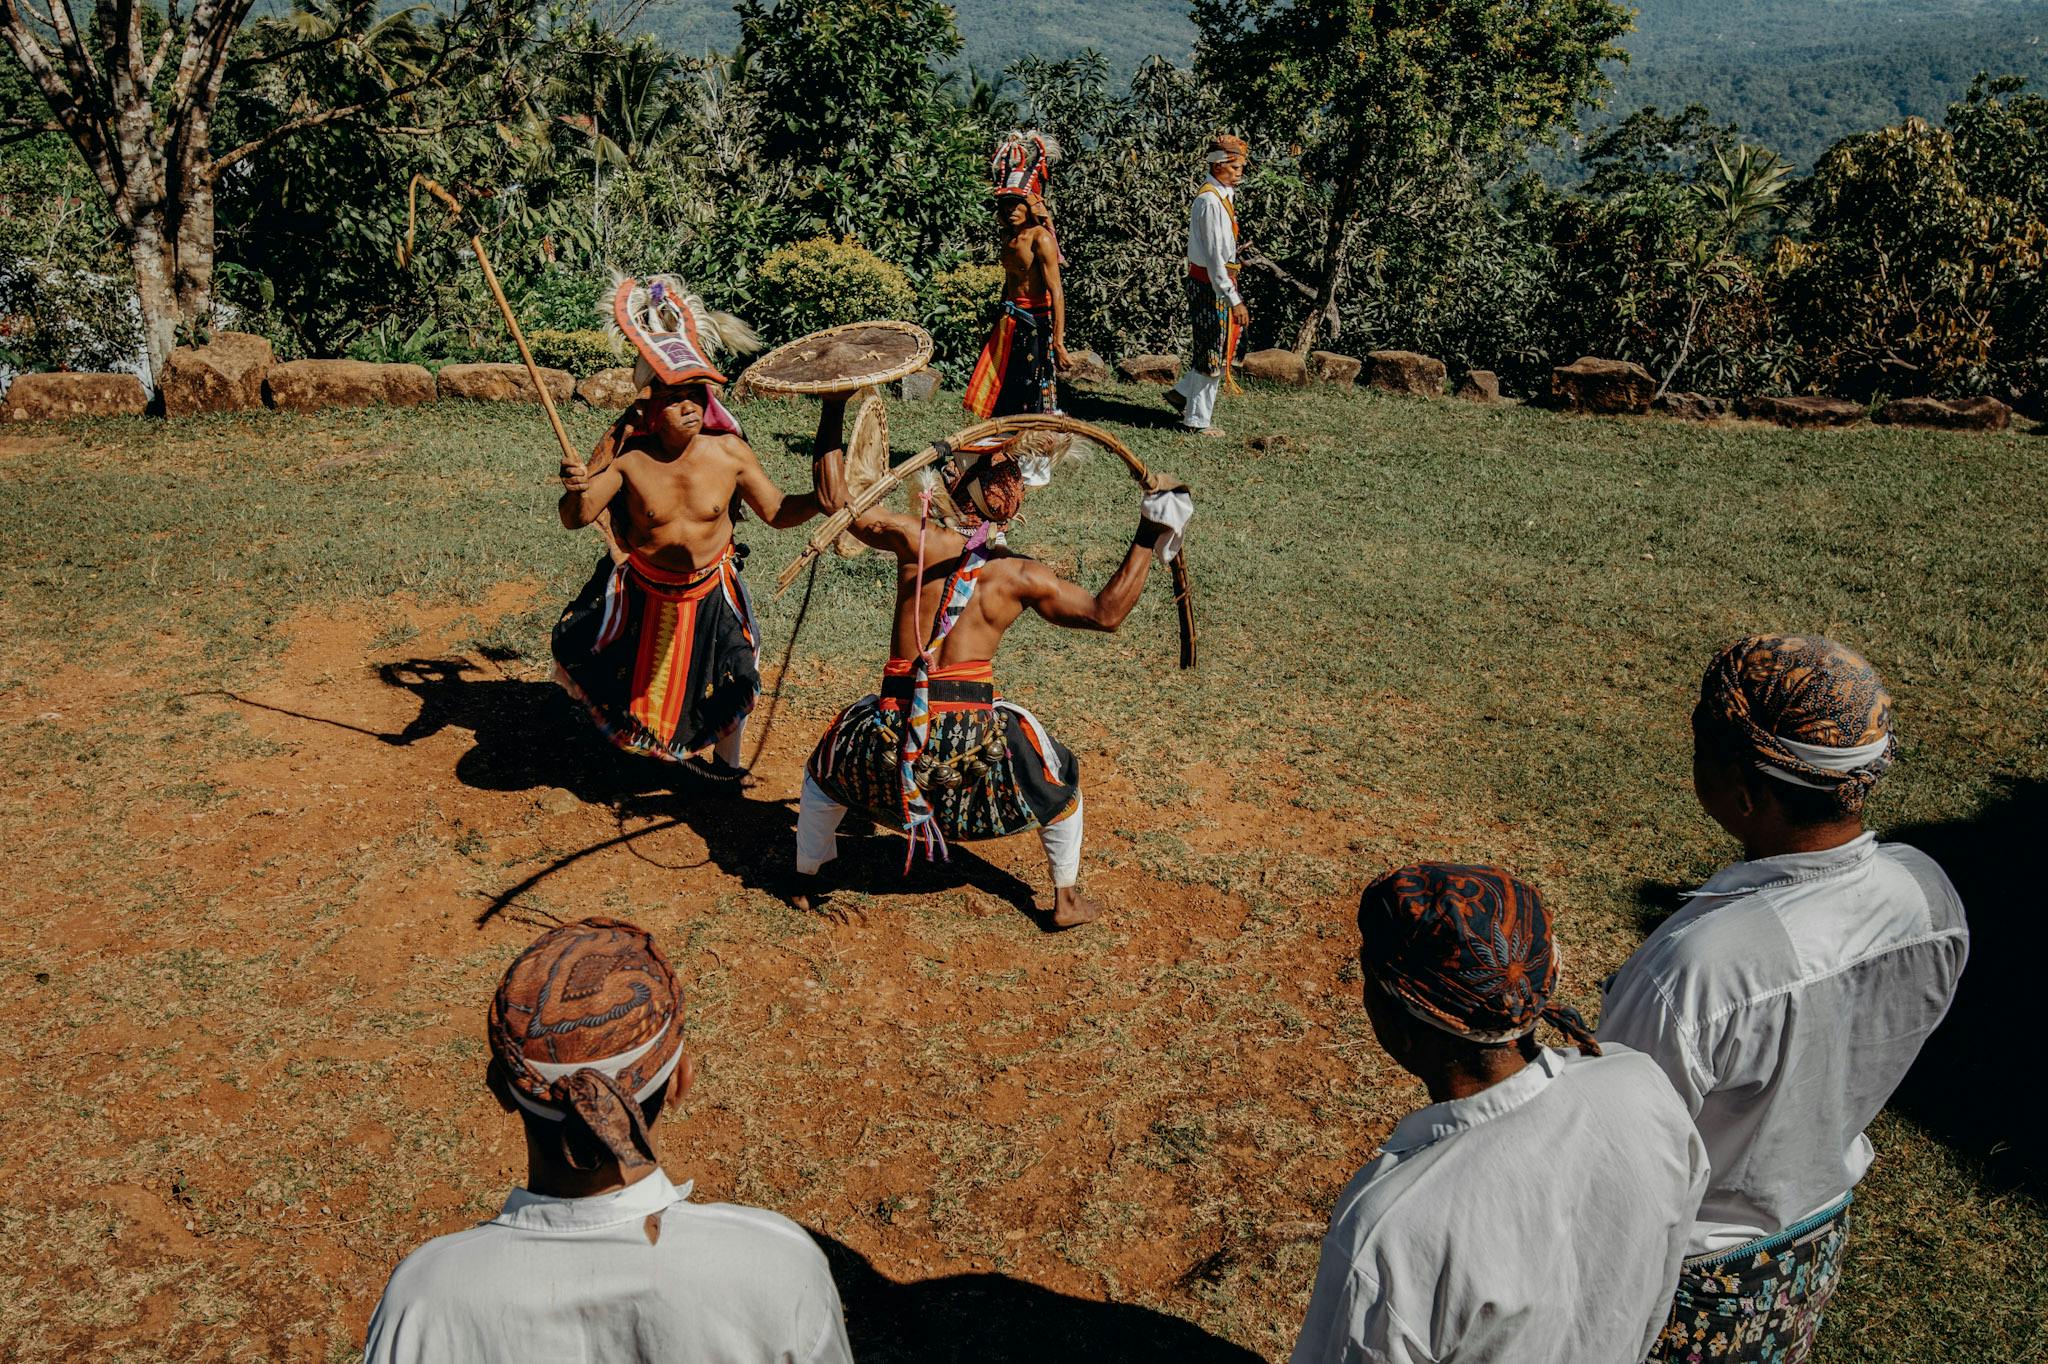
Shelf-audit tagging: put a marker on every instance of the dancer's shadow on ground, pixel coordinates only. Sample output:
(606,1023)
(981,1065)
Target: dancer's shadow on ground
(1964,1087)
(995,1319)
(530,735)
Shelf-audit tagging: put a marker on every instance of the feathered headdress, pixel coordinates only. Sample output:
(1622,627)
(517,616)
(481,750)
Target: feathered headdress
(673,330)
(1022,165)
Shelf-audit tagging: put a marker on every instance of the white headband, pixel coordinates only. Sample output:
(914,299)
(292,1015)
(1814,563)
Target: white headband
(610,1065)
(1218,158)
(1828,760)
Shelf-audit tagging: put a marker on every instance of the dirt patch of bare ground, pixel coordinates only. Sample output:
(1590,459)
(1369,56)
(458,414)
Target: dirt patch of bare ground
(253,932)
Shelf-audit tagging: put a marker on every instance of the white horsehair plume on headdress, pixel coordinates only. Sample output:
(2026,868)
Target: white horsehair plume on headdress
(720,331)
(1051,144)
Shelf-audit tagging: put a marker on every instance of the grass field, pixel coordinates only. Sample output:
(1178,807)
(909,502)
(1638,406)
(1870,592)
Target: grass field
(289,786)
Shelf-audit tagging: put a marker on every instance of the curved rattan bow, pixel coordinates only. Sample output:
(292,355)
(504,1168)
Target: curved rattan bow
(838,522)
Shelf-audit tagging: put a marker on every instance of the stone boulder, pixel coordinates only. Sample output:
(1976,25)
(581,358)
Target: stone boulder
(1275,366)
(224,375)
(1087,368)
(920,387)
(1959,414)
(1801,411)
(1332,368)
(312,385)
(58,397)
(1404,371)
(609,390)
(503,383)
(1590,384)
(1690,407)
(1150,369)
(1480,386)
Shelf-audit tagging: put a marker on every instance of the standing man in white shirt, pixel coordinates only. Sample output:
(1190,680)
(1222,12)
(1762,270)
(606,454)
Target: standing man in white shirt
(600,1257)
(1788,999)
(1215,308)
(1535,1212)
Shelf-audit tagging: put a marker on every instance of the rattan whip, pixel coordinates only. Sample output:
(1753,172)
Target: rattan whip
(838,522)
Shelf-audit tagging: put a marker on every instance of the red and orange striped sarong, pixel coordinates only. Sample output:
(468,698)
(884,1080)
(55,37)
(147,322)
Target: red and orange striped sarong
(664,661)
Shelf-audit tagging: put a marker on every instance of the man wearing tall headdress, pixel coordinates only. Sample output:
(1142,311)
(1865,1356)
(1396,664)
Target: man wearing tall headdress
(1789,996)
(661,645)
(1027,347)
(938,753)
(1216,309)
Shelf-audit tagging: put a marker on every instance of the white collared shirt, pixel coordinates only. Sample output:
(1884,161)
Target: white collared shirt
(1786,1001)
(1540,1221)
(1212,241)
(639,1274)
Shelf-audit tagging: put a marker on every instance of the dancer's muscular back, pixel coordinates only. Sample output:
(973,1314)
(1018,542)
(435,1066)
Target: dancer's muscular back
(670,488)
(1008,586)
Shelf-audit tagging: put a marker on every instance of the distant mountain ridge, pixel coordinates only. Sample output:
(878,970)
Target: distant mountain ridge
(1794,74)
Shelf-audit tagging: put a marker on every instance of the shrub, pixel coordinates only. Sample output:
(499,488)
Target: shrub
(582,353)
(956,306)
(562,300)
(824,283)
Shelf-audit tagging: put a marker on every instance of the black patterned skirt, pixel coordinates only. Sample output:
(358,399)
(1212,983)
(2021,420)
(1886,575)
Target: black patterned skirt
(989,769)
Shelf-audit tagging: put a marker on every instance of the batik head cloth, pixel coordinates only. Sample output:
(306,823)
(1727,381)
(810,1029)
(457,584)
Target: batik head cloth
(1467,950)
(589,1021)
(1804,709)
(1223,147)
(987,484)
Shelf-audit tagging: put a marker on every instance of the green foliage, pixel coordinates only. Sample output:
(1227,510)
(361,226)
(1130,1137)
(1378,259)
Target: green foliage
(1799,76)
(1387,98)
(826,283)
(582,353)
(1655,260)
(957,306)
(391,343)
(564,300)
(1120,194)
(65,290)
(1907,266)
(853,110)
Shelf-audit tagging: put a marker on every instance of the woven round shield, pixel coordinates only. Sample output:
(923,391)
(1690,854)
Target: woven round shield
(842,360)
(867,462)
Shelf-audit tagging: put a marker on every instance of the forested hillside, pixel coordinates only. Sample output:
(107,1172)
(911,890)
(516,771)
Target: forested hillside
(1796,75)
(1793,74)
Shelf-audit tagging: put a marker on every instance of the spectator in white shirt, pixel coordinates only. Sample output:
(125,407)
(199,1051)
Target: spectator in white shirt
(1215,307)
(600,1258)
(1535,1212)
(1788,998)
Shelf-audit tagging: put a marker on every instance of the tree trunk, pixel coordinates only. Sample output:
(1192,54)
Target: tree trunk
(156,291)
(1341,213)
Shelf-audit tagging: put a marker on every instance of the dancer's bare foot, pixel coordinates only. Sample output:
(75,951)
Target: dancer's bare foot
(811,895)
(1071,909)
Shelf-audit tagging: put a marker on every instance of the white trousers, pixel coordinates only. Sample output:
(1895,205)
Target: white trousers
(728,748)
(1200,390)
(817,836)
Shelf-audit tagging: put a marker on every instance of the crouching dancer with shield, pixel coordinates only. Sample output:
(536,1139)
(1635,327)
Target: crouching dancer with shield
(938,753)
(661,645)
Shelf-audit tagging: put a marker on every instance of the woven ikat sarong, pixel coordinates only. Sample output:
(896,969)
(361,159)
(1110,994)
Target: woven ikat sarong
(988,768)
(665,662)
